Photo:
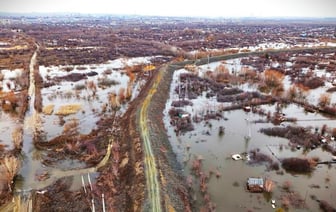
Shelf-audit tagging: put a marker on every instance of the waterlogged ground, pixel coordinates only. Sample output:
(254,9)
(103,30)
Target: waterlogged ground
(88,89)
(226,186)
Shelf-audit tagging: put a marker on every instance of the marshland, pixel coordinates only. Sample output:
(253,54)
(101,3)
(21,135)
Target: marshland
(110,115)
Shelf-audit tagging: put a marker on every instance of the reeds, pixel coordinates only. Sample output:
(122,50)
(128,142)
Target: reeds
(114,101)
(121,95)
(106,82)
(92,86)
(65,110)
(17,138)
(71,128)
(128,93)
(11,166)
(48,110)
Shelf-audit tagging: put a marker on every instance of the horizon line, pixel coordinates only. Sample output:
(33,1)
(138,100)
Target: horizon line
(34,13)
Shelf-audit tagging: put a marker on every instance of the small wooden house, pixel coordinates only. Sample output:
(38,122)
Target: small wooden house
(255,184)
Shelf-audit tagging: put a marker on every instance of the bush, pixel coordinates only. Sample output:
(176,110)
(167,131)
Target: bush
(106,82)
(326,207)
(314,82)
(297,165)
(79,87)
(324,100)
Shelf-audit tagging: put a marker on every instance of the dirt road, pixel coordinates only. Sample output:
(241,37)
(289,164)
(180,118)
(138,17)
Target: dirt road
(151,171)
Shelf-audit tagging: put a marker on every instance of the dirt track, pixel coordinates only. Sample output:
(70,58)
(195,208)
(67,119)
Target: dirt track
(151,171)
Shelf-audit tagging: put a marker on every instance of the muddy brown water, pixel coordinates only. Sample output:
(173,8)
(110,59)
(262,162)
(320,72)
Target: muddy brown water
(229,191)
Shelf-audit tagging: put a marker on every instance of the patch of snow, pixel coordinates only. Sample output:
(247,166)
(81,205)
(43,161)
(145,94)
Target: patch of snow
(11,74)
(289,64)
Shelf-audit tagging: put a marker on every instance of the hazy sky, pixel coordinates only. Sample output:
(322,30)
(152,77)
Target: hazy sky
(222,8)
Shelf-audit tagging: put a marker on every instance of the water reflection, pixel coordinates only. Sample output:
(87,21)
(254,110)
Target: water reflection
(241,135)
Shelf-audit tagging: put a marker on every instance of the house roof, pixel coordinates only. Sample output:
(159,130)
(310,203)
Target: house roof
(255,181)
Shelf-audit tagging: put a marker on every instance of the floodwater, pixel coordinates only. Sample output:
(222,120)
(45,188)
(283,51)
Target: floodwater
(65,93)
(242,134)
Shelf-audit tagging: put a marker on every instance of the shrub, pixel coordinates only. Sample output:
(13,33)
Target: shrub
(106,82)
(273,78)
(333,133)
(107,72)
(324,100)
(292,93)
(326,207)
(68,68)
(79,87)
(314,82)
(297,165)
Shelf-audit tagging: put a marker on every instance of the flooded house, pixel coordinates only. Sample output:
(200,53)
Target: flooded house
(255,184)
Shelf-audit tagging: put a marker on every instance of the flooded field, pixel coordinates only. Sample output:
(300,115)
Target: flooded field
(248,124)
(206,149)
(74,99)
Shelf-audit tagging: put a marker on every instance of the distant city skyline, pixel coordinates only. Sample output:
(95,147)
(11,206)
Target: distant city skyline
(208,8)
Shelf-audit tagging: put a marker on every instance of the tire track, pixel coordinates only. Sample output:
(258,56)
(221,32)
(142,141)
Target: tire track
(151,171)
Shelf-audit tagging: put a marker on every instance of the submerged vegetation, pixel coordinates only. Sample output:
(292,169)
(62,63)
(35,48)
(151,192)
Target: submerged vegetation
(69,113)
(65,110)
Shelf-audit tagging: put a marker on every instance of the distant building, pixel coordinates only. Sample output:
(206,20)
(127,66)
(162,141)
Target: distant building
(255,184)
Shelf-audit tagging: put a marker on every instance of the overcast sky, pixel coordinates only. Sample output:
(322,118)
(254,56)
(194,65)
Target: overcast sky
(209,8)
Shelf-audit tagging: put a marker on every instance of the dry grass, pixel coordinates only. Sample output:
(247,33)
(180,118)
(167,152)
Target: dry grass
(17,138)
(114,101)
(71,127)
(272,82)
(324,100)
(11,101)
(65,110)
(48,110)
(128,94)
(91,85)
(121,95)
(11,166)
(106,82)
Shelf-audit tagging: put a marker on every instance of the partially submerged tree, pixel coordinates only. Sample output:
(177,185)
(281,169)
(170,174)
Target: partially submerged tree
(324,100)
(272,82)
(299,165)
